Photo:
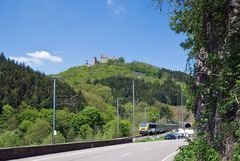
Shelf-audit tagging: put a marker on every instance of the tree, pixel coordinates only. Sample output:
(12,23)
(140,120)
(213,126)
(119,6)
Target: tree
(37,132)
(152,115)
(62,121)
(9,139)
(212,30)
(59,138)
(28,114)
(93,116)
(121,60)
(8,118)
(110,129)
(24,86)
(77,121)
(85,132)
(125,128)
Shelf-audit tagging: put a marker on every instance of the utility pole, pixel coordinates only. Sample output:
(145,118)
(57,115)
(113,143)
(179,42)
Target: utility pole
(182,108)
(133,88)
(54,111)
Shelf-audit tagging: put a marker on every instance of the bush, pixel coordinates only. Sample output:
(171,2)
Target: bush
(37,132)
(9,139)
(28,114)
(197,150)
(86,132)
(25,125)
(7,118)
(59,138)
(124,128)
(94,117)
(236,152)
(77,121)
(110,129)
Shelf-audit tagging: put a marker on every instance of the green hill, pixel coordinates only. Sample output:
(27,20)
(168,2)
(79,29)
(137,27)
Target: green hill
(26,101)
(106,82)
(21,84)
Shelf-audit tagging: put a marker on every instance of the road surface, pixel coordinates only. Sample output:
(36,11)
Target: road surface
(149,151)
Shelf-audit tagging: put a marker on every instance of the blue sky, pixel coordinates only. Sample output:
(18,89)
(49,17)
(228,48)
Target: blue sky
(54,35)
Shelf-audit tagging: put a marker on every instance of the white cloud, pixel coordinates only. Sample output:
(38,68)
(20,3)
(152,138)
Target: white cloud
(117,8)
(37,58)
(26,60)
(109,2)
(44,55)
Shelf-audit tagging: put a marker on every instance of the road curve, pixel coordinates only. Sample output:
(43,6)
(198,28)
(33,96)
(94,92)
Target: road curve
(149,151)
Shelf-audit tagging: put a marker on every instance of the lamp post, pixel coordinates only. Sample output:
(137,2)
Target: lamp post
(133,102)
(118,116)
(54,111)
(54,132)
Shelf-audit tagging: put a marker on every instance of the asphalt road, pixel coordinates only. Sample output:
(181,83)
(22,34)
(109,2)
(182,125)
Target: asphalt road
(149,151)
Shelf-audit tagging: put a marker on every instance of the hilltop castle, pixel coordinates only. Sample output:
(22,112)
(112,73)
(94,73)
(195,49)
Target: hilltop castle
(103,59)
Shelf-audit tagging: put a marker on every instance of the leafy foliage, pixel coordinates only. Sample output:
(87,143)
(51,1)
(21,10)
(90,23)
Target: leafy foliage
(110,129)
(197,150)
(86,132)
(9,139)
(21,83)
(212,30)
(110,81)
(37,132)
(58,139)
(86,111)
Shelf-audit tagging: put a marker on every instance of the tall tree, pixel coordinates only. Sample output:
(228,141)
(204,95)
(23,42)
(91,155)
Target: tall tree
(212,30)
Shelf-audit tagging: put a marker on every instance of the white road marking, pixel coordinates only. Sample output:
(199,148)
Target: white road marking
(126,154)
(84,151)
(170,155)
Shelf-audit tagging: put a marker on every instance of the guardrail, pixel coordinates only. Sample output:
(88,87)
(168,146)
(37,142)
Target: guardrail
(29,151)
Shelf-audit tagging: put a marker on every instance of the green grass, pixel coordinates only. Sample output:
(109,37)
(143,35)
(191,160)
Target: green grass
(150,139)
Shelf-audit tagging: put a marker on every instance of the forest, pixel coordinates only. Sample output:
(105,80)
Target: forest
(85,101)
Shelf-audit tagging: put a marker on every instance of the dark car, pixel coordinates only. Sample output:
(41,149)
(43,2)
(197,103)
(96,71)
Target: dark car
(170,137)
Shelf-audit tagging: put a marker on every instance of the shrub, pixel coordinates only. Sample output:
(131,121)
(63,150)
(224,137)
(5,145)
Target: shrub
(236,152)
(37,132)
(59,138)
(86,132)
(197,150)
(9,139)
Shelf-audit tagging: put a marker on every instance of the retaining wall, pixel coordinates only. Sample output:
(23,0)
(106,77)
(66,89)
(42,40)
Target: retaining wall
(21,152)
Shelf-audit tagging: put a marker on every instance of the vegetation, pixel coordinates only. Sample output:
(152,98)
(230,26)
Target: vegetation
(212,30)
(149,139)
(21,85)
(115,80)
(86,101)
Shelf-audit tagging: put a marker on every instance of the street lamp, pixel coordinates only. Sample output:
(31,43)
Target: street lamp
(133,88)
(118,115)
(54,132)
(54,111)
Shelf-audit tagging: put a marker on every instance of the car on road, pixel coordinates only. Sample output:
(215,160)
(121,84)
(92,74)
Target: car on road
(170,137)
(179,135)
